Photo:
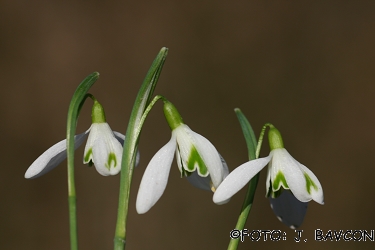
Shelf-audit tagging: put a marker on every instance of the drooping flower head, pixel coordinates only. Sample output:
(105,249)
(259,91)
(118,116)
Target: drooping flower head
(284,173)
(103,148)
(197,159)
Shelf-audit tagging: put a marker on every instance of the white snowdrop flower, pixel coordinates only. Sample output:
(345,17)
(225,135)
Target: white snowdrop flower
(103,148)
(284,172)
(197,159)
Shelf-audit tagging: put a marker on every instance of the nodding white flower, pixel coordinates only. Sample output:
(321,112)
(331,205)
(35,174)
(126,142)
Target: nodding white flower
(103,149)
(284,172)
(197,159)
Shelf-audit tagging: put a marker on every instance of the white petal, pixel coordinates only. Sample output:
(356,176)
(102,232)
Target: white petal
(188,139)
(121,138)
(317,195)
(185,144)
(288,209)
(179,161)
(238,178)
(283,162)
(205,182)
(87,153)
(225,167)
(225,174)
(106,149)
(155,178)
(52,157)
(280,162)
(211,157)
(294,176)
(268,178)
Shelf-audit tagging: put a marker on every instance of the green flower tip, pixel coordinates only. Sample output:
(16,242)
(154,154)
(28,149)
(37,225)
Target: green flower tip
(274,138)
(97,113)
(174,118)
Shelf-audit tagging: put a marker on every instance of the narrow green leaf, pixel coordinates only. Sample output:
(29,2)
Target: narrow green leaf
(251,143)
(131,144)
(248,133)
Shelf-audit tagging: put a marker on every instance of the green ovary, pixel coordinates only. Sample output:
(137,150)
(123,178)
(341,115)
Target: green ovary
(195,158)
(309,183)
(111,158)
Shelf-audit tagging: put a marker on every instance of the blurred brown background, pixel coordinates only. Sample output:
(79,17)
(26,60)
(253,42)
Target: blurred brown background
(306,67)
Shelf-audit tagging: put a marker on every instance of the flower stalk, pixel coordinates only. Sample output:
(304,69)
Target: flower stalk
(76,103)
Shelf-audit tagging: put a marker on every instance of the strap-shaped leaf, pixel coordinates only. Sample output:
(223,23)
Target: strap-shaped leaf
(248,133)
(131,144)
(251,143)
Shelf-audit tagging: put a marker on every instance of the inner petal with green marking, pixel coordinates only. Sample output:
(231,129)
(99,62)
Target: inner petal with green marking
(88,155)
(185,173)
(279,181)
(309,183)
(111,158)
(275,194)
(195,160)
(181,165)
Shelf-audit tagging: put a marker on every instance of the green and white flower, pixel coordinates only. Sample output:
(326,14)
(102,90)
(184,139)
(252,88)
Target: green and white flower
(103,149)
(284,172)
(197,159)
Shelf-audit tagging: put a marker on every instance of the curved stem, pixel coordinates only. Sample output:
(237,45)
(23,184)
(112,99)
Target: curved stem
(75,106)
(145,113)
(260,141)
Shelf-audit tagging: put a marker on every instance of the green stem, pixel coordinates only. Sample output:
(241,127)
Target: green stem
(131,144)
(75,106)
(247,203)
(253,151)
(145,113)
(260,141)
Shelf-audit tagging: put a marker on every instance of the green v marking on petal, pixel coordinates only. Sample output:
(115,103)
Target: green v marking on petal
(111,158)
(88,155)
(309,183)
(195,158)
(276,182)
